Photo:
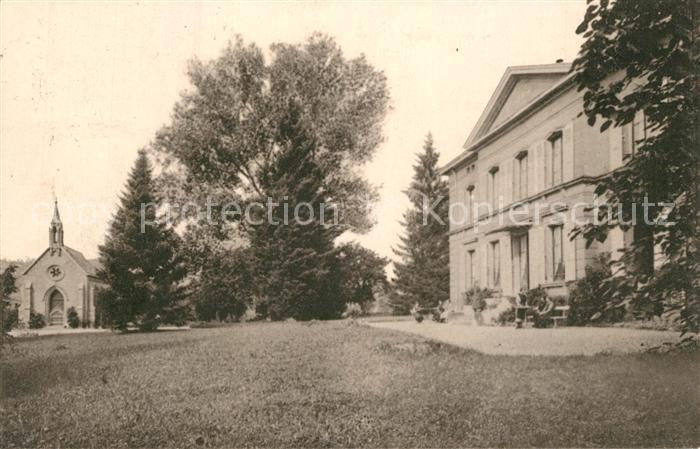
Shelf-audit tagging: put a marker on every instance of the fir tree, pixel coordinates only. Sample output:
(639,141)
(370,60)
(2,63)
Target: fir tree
(296,261)
(422,274)
(140,259)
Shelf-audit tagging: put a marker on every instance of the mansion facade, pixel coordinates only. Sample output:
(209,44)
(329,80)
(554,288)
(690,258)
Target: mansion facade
(60,278)
(528,170)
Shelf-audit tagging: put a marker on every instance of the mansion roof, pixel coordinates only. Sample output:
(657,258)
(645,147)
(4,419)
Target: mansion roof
(521,90)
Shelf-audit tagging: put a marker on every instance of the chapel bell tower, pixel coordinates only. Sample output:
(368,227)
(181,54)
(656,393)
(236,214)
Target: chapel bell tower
(56,230)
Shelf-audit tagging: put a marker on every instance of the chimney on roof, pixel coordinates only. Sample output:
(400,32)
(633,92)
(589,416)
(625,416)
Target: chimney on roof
(559,61)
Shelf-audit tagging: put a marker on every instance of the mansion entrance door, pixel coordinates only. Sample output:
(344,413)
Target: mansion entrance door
(56,301)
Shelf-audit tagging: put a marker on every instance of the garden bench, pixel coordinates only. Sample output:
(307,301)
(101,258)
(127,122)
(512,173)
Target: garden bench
(560,313)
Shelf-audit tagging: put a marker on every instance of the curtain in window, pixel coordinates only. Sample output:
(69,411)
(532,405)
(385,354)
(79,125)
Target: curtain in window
(557,254)
(556,161)
(496,264)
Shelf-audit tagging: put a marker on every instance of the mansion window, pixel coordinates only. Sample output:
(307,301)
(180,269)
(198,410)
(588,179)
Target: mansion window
(633,134)
(641,239)
(494,264)
(520,176)
(471,268)
(521,272)
(554,164)
(493,190)
(469,204)
(554,254)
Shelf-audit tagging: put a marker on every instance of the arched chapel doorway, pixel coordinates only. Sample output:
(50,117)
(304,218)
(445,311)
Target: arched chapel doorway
(56,302)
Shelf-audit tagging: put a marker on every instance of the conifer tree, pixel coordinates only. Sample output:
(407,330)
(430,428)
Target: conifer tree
(422,274)
(296,260)
(140,260)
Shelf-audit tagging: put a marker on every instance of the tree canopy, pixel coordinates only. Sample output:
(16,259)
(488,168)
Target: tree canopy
(292,130)
(226,133)
(638,56)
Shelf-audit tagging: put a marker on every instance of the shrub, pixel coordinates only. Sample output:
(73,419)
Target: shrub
(36,320)
(352,310)
(150,324)
(476,297)
(589,296)
(72,318)
(11,318)
(507,316)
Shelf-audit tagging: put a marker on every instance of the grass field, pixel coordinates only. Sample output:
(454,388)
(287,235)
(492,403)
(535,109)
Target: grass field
(334,384)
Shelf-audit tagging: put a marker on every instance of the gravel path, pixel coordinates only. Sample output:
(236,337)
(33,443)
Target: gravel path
(553,342)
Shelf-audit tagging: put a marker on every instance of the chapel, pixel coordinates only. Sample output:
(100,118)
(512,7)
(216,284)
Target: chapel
(60,278)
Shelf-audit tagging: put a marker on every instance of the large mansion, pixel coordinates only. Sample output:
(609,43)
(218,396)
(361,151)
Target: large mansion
(529,165)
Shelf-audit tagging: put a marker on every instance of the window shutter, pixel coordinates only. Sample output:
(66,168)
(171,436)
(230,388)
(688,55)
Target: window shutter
(467,266)
(524,175)
(533,185)
(639,130)
(568,152)
(489,265)
(497,264)
(516,180)
(504,179)
(524,262)
(547,164)
(626,140)
(615,136)
(536,243)
(569,254)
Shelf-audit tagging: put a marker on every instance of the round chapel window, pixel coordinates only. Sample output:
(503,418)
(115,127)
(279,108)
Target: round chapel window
(55,272)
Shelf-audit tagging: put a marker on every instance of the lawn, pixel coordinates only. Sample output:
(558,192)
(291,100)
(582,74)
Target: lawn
(334,384)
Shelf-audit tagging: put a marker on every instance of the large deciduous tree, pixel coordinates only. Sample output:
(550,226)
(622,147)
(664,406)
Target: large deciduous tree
(141,263)
(290,130)
(422,274)
(643,56)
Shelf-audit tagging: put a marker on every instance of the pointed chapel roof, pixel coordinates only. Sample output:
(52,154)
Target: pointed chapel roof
(87,266)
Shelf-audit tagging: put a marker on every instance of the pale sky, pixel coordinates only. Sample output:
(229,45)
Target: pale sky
(84,85)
